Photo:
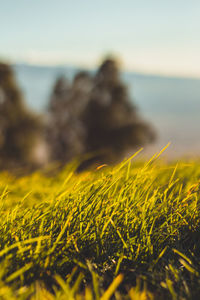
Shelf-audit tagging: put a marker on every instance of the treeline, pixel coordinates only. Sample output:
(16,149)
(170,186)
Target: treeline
(92,118)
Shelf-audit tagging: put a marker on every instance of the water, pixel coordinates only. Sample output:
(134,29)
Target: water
(172,105)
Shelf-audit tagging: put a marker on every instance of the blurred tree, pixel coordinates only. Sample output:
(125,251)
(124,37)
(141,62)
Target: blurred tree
(19,129)
(94,114)
(112,122)
(65,130)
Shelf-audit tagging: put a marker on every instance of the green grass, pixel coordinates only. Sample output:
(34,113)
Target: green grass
(131,231)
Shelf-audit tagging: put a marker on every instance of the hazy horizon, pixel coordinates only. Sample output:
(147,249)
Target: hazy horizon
(93,68)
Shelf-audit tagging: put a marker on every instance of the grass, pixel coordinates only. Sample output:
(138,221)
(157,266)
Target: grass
(131,231)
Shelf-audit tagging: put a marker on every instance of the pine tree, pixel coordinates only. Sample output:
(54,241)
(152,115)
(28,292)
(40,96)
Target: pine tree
(19,128)
(65,131)
(112,122)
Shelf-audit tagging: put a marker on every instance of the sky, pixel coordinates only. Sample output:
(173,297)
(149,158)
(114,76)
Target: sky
(148,36)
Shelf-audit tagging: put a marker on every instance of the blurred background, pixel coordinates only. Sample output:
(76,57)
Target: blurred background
(140,58)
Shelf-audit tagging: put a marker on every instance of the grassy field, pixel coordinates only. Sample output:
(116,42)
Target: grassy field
(131,231)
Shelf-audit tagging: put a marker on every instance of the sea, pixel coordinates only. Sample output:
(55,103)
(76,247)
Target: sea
(170,104)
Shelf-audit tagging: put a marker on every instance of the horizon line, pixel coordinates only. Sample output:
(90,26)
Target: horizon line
(123,70)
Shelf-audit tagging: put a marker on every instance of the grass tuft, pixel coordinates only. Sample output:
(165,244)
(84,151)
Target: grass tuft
(125,232)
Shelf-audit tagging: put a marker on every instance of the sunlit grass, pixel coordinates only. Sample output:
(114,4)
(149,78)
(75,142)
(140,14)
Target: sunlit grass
(130,232)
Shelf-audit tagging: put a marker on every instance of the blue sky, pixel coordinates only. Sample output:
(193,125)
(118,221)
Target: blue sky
(151,36)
